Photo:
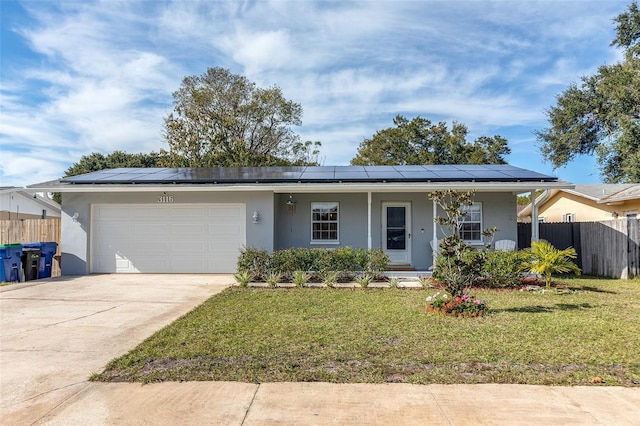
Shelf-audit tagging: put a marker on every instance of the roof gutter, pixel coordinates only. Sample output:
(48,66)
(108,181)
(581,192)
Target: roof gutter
(304,187)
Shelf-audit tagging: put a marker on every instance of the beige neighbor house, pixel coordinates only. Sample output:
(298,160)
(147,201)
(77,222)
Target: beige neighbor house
(586,203)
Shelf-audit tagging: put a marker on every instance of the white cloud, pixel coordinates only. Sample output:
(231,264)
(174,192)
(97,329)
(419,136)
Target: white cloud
(100,74)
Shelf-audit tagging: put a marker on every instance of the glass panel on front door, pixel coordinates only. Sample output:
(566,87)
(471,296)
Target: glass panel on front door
(396,228)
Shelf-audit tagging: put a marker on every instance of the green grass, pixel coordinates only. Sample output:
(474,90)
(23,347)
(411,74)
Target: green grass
(385,335)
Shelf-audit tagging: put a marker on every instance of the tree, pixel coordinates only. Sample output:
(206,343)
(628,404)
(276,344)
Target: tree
(419,141)
(458,265)
(98,161)
(602,114)
(546,260)
(223,119)
(525,199)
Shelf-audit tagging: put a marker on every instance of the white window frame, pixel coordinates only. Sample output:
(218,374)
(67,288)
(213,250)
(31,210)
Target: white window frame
(542,219)
(631,214)
(475,207)
(325,205)
(568,218)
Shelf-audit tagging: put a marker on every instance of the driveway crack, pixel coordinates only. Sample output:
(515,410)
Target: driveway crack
(73,395)
(76,318)
(250,404)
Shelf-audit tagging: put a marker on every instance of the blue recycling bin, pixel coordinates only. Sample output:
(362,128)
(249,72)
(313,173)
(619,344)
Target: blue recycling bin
(10,262)
(47,251)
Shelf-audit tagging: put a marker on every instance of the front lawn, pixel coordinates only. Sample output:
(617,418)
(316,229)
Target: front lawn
(385,335)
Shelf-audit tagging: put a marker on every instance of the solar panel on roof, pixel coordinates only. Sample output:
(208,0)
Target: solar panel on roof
(411,173)
(403,169)
(424,176)
(380,168)
(453,174)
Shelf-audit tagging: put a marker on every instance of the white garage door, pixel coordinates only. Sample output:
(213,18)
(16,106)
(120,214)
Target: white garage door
(187,238)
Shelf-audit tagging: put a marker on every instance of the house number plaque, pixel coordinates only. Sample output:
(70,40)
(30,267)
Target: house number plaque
(165,199)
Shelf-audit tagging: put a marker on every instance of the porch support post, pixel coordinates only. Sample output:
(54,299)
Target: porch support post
(435,227)
(369,220)
(535,226)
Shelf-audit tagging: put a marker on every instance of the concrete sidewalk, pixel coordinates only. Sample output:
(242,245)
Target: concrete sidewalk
(54,334)
(227,403)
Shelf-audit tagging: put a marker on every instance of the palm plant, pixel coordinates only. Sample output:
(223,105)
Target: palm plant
(546,260)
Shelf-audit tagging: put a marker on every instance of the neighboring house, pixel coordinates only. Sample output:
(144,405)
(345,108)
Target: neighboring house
(586,203)
(19,203)
(197,219)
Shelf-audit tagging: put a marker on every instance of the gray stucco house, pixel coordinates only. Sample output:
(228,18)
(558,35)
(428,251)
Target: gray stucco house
(182,220)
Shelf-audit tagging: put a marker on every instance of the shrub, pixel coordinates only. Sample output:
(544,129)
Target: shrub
(364,280)
(243,278)
(377,261)
(546,260)
(273,279)
(253,261)
(330,278)
(284,262)
(458,266)
(300,278)
(343,261)
(505,268)
(464,305)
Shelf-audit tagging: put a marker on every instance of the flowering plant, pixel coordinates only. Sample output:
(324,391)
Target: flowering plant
(439,299)
(464,305)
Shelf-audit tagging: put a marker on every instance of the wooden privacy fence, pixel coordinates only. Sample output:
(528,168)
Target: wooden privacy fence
(610,248)
(20,231)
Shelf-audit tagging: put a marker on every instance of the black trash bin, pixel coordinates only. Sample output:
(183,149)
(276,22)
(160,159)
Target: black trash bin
(30,263)
(47,251)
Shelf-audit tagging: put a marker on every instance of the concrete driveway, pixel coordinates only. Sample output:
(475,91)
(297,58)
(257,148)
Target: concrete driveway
(55,333)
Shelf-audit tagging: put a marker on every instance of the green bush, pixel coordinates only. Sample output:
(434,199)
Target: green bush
(254,261)
(377,261)
(458,266)
(505,268)
(319,262)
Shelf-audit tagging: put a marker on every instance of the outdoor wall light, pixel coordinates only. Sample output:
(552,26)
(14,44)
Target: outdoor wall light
(256,217)
(75,217)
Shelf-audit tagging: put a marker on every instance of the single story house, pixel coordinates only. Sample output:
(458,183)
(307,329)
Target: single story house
(19,203)
(181,220)
(586,203)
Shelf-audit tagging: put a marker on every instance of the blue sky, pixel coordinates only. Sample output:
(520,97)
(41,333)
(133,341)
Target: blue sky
(85,76)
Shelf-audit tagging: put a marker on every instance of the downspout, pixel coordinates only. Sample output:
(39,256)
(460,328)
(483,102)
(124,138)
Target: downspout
(435,232)
(535,224)
(369,220)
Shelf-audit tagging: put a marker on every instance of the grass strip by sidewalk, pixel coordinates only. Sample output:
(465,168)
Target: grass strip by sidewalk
(385,335)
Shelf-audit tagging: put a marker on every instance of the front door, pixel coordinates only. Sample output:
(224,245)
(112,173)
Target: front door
(396,231)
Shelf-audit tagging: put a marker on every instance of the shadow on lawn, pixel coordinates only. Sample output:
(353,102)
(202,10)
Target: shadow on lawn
(593,289)
(541,309)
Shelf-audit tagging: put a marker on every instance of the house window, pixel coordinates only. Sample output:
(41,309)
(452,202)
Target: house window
(324,222)
(542,219)
(568,217)
(472,223)
(631,214)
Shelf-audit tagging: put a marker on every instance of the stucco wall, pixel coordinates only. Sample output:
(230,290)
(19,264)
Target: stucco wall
(294,229)
(586,210)
(76,234)
(287,229)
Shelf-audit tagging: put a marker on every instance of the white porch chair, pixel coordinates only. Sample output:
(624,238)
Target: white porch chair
(505,245)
